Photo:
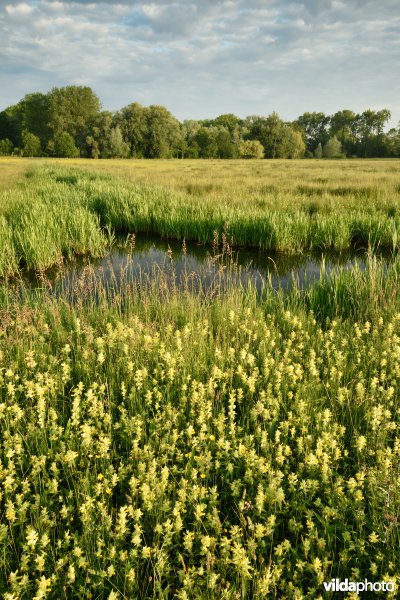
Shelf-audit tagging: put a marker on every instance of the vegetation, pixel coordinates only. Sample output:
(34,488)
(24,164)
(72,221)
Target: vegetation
(58,212)
(39,123)
(165,442)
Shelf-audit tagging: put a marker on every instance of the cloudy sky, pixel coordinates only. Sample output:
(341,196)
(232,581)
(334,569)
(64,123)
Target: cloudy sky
(201,58)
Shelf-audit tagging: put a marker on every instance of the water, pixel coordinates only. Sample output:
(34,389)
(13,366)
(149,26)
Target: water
(192,265)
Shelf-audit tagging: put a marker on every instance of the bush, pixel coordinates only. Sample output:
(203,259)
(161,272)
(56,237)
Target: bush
(6,147)
(251,149)
(64,146)
(30,144)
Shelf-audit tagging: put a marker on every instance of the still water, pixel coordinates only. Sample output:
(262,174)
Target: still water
(194,266)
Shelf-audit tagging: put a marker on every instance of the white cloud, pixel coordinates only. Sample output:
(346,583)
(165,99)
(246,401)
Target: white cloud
(23,9)
(204,57)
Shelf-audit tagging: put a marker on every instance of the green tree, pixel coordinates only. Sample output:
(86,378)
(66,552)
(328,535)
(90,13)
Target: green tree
(118,148)
(73,109)
(97,142)
(279,139)
(64,145)
(251,149)
(30,144)
(10,125)
(132,121)
(292,143)
(33,114)
(342,125)
(6,147)
(163,135)
(370,123)
(393,142)
(189,131)
(225,147)
(318,151)
(332,148)
(206,141)
(315,128)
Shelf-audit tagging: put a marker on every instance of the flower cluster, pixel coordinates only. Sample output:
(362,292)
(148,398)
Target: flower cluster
(232,454)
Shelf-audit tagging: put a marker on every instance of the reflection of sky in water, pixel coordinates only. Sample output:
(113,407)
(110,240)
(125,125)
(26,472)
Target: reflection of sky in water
(201,265)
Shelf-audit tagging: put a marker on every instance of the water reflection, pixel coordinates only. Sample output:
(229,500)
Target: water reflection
(193,266)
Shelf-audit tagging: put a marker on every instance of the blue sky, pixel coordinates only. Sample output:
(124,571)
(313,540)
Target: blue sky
(202,58)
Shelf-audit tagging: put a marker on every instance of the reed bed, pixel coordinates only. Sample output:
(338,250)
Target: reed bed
(60,211)
(160,443)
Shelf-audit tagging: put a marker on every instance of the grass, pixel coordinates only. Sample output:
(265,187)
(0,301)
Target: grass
(169,442)
(59,211)
(163,444)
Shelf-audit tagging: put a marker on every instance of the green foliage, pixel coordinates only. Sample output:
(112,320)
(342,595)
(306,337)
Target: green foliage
(71,110)
(278,138)
(6,147)
(332,148)
(163,134)
(156,439)
(132,121)
(153,132)
(64,146)
(251,149)
(118,148)
(30,144)
(315,128)
(318,151)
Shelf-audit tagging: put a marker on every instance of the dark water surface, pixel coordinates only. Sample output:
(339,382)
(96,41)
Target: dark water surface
(193,265)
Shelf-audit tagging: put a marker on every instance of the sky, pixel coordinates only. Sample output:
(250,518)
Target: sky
(203,58)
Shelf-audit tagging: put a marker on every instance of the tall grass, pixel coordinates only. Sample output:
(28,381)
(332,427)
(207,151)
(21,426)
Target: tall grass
(61,212)
(160,443)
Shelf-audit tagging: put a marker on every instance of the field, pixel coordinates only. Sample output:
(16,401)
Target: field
(287,206)
(162,443)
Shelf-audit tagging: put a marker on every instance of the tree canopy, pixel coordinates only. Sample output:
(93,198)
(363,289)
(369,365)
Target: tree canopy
(68,121)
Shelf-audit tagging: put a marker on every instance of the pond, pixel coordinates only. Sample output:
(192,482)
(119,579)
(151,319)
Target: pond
(193,265)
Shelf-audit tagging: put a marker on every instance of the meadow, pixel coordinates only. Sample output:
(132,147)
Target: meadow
(62,208)
(158,442)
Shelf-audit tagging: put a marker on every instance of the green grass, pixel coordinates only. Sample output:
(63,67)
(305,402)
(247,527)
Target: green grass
(165,444)
(58,212)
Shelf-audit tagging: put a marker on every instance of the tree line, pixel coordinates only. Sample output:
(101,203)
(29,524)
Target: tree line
(69,122)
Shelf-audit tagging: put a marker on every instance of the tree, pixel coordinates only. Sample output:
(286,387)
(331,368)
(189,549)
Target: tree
(189,131)
(206,141)
(6,147)
(318,151)
(369,124)
(269,131)
(10,125)
(251,149)
(393,142)
(278,138)
(163,134)
(118,148)
(292,144)
(33,115)
(225,147)
(342,125)
(332,148)
(132,121)
(72,109)
(30,144)
(64,145)
(315,128)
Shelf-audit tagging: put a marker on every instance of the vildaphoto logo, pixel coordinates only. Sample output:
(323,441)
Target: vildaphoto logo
(338,585)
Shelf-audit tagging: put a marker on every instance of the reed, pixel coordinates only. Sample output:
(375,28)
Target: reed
(58,212)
